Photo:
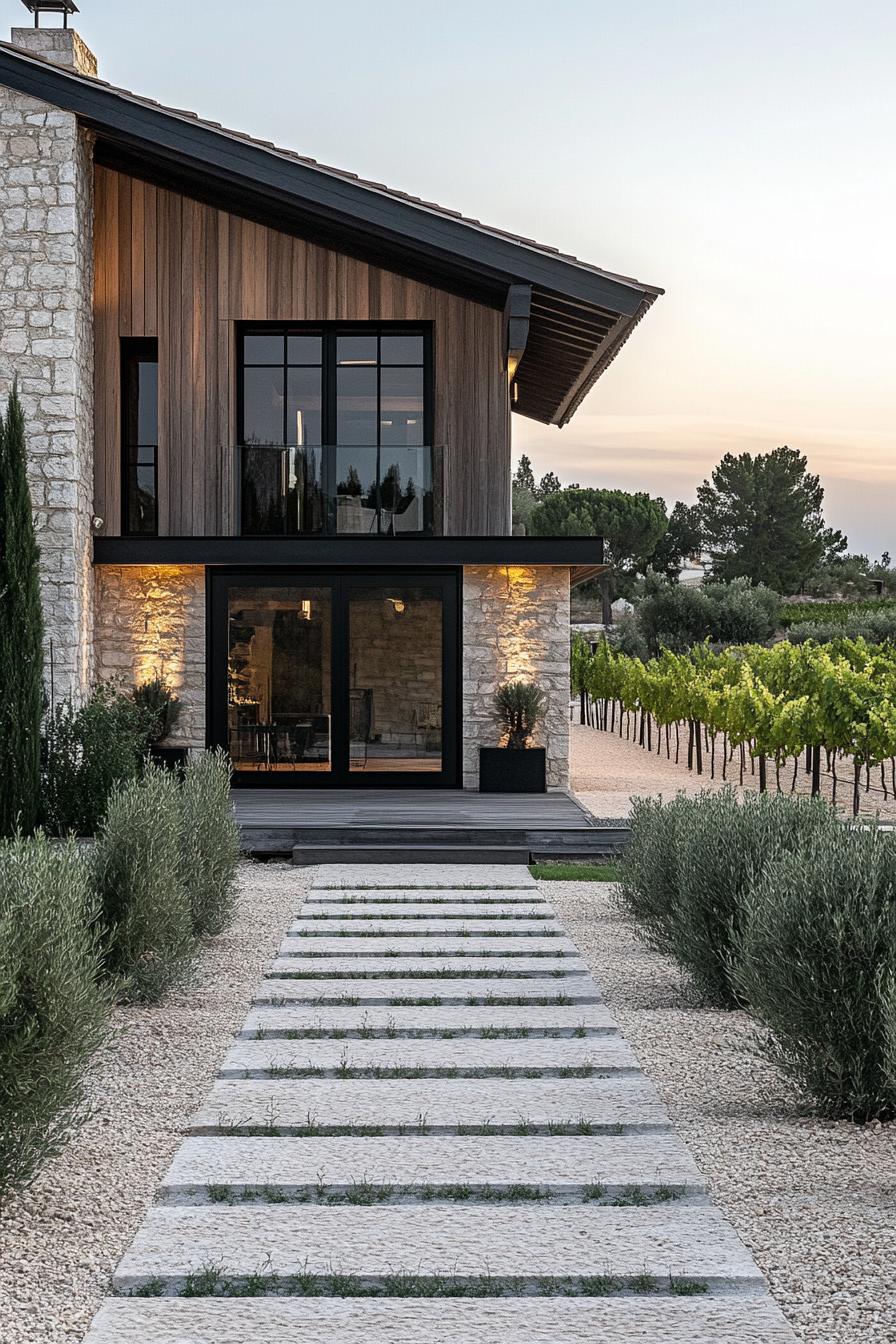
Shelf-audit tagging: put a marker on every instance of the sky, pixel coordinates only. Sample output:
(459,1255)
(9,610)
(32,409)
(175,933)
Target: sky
(738,154)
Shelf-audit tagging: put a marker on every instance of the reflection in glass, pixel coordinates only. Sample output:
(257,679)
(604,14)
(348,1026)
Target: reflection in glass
(356,349)
(401,406)
(263,405)
(303,406)
(302,349)
(395,661)
(278,678)
(356,405)
(263,348)
(356,507)
(401,349)
(405,491)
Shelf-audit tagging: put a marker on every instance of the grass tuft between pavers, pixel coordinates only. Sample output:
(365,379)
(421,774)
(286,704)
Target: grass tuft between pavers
(211,1280)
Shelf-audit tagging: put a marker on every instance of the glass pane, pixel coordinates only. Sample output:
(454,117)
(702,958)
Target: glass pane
(303,349)
(356,490)
(406,349)
(406,491)
(356,350)
(401,406)
(395,657)
(262,406)
(263,348)
(278,678)
(148,401)
(265,484)
(303,406)
(142,499)
(356,416)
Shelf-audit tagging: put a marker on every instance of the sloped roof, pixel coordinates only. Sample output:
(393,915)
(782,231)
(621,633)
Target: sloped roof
(580,314)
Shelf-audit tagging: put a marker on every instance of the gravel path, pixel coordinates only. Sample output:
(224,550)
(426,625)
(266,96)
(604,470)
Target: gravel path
(813,1199)
(60,1241)
(606,770)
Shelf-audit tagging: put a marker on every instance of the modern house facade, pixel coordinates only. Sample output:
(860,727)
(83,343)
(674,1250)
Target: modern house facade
(269,410)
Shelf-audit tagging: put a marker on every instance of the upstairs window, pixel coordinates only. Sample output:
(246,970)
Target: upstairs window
(347,411)
(140,436)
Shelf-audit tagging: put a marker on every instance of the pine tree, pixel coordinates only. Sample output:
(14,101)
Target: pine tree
(21,632)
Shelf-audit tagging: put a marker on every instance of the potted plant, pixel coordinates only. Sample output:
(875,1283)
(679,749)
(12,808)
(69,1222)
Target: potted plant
(515,767)
(161,708)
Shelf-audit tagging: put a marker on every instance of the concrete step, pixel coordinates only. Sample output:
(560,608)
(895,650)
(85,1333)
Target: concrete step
(580,988)
(426,925)
(331,1320)
(395,968)
(333,896)
(432,1056)
(308,855)
(418,877)
(441,1104)
(454,1242)
(298,1167)
(448,944)
(574,1020)
(326,913)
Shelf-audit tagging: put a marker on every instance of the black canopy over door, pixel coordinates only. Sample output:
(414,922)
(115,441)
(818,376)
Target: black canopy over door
(335,679)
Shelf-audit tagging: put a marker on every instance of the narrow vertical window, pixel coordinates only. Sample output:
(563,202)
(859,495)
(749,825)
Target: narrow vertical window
(140,435)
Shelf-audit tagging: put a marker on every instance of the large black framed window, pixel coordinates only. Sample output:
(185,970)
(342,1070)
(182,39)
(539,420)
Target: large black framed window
(139,436)
(335,428)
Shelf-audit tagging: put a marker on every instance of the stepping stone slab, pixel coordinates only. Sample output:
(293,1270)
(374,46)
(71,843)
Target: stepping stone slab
(447,944)
(588,1017)
(439,1239)
(414,896)
(477,876)
(563,1165)
(495,969)
(445,1103)
(580,987)
(433,1053)
(172,1320)
(426,927)
(408,911)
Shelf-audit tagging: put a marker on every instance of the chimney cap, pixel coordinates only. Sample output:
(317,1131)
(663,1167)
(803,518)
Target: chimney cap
(63,7)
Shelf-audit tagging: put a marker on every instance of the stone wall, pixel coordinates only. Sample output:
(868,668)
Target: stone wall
(46,339)
(150,621)
(515,628)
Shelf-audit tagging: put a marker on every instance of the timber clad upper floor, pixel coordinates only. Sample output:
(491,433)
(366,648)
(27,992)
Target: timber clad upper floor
(189,278)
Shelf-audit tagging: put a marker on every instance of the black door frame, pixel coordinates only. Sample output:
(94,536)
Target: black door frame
(339,776)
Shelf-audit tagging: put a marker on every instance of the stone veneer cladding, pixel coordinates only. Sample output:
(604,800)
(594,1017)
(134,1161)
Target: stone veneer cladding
(46,338)
(150,621)
(515,627)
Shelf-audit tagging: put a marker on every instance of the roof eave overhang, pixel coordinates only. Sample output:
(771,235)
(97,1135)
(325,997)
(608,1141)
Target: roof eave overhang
(575,553)
(580,317)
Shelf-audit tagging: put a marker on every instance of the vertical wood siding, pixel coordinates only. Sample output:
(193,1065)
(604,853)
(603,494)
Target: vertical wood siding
(170,267)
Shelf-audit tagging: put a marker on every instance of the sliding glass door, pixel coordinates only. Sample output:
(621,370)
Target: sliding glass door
(335,679)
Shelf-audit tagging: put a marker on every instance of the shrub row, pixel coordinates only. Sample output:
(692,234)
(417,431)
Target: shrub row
(79,928)
(774,905)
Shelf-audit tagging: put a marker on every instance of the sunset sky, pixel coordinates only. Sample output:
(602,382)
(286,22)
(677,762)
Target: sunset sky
(740,155)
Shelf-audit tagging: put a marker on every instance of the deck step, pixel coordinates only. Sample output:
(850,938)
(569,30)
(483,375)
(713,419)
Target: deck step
(422,876)
(331,1320)
(391,852)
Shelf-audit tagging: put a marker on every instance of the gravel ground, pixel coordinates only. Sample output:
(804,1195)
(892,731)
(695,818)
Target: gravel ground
(814,1200)
(60,1241)
(605,770)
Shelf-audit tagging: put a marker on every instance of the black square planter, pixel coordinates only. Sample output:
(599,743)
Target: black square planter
(506,770)
(170,758)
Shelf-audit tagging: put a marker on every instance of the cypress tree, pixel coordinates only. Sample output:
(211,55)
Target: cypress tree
(21,633)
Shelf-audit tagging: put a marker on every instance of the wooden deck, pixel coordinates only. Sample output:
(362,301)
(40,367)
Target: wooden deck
(281,821)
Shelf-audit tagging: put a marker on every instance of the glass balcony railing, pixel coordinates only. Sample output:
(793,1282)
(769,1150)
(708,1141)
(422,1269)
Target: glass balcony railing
(334,490)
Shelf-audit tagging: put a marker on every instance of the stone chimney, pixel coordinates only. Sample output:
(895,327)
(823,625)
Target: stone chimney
(46,338)
(61,46)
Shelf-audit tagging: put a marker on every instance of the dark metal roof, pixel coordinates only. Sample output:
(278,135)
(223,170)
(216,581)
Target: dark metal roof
(580,314)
